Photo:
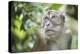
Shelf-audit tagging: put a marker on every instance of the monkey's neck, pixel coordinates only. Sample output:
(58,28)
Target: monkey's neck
(56,43)
(53,45)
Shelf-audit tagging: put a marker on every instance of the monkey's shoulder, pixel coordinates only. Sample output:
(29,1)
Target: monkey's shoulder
(68,33)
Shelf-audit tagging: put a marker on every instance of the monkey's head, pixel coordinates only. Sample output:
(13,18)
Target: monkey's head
(53,23)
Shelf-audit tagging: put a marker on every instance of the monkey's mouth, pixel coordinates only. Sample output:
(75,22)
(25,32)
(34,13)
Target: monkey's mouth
(50,32)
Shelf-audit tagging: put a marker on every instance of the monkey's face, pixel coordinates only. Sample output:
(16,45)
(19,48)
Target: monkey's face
(53,23)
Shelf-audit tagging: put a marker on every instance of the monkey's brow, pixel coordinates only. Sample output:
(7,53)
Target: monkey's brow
(54,22)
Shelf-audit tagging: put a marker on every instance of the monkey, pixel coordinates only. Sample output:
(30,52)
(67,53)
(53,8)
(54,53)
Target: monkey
(53,35)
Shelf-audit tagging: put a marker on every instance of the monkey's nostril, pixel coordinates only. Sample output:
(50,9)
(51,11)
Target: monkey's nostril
(48,24)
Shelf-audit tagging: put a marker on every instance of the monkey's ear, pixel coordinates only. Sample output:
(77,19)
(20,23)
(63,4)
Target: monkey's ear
(62,15)
(50,11)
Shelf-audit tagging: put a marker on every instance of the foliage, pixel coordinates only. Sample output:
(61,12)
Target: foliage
(55,6)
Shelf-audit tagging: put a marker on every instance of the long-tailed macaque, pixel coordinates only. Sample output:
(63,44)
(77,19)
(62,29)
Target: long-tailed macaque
(53,35)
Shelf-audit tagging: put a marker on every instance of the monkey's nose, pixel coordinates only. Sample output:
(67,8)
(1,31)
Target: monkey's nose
(47,24)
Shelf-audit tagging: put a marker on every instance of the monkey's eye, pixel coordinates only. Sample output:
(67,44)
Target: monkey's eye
(53,17)
(46,17)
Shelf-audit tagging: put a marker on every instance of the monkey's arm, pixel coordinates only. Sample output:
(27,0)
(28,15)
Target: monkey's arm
(69,37)
(40,44)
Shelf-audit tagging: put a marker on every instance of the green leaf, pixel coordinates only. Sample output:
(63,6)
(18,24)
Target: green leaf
(55,6)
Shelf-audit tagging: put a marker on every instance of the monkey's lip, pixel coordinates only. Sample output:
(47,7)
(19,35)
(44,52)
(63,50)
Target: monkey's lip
(50,32)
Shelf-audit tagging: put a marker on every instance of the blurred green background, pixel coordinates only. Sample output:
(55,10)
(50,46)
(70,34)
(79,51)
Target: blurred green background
(26,19)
